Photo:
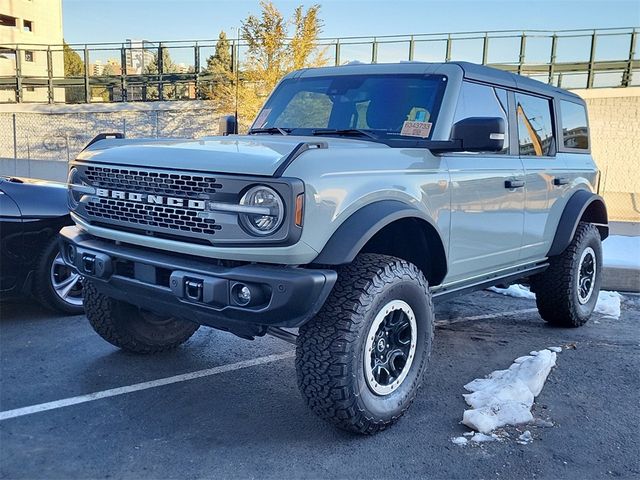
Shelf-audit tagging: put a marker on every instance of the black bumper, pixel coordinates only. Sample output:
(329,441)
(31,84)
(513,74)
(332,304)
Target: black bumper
(196,289)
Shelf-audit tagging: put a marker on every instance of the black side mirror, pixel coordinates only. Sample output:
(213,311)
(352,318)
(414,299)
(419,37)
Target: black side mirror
(228,125)
(479,134)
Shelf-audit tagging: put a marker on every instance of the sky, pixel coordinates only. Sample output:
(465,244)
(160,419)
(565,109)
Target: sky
(87,21)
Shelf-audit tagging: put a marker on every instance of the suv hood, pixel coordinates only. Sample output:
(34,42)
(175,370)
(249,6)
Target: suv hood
(242,154)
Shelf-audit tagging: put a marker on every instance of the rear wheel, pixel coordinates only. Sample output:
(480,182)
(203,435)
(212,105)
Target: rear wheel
(361,360)
(132,329)
(567,292)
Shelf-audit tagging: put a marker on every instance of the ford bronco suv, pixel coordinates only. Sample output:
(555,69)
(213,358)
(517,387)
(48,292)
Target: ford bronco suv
(361,194)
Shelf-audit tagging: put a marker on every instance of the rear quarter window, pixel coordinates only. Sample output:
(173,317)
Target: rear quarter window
(575,132)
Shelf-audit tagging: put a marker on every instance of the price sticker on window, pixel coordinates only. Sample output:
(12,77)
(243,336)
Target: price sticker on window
(416,129)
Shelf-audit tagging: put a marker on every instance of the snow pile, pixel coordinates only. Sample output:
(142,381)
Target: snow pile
(505,397)
(609,304)
(621,252)
(516,290)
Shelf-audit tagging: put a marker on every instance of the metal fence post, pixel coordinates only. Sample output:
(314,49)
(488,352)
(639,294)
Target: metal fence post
(628,74)
(447,57)
(374,51)
(196,69)
(552,58)
(412,47)
(337,59)
(523,47)
(87,89)
(123,73)
(15,137)
(160,65)
(18,76)
(592,58)
(49,74)
(485,48)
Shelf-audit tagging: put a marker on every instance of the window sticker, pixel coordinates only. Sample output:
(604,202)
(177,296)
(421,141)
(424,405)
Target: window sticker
(416,129)
(262,118)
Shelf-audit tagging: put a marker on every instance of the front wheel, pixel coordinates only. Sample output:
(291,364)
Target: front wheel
(361,360)
(132,329)
(567,292)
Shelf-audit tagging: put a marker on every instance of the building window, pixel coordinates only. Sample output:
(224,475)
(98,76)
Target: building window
(574,125)
(535,128)
(28,56)
(27,26)
(30,89)
(7,21)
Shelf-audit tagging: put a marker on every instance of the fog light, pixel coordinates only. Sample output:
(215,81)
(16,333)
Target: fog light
(242,294)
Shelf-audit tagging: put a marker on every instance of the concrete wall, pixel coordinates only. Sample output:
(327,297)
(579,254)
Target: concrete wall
(614,118)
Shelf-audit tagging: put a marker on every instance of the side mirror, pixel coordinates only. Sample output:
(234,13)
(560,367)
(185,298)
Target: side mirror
(479,134)
(228,125)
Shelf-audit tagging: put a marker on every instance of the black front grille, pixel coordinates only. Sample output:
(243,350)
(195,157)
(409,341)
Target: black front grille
(149,182)
(141,214)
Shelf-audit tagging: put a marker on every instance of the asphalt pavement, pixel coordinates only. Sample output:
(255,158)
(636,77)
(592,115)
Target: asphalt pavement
(72,406)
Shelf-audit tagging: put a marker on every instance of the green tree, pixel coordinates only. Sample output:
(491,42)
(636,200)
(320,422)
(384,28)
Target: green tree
(73,67)
(222,87)
(168,67)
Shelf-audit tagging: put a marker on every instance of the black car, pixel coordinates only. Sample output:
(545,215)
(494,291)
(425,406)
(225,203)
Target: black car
(32,212)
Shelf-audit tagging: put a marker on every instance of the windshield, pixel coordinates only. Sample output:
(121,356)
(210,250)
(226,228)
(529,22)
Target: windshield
(371,105)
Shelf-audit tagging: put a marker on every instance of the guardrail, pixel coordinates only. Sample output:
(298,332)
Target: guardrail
(168,70)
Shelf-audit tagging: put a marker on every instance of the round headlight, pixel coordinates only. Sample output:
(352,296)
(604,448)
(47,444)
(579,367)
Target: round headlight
(268,210)
(73,179)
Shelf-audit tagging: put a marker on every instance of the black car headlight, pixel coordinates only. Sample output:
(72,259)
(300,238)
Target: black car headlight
(73,195)
(263,210)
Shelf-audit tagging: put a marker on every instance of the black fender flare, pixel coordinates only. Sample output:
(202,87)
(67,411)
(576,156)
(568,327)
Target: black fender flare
(583,205)
(361,226)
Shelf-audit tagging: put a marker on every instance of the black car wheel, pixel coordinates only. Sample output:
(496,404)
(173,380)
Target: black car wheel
(56,286)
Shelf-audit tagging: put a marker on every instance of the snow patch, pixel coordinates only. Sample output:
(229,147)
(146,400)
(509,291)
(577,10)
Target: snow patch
(525,438)
(505,397)
(609,304)
(459,440)
(516,290)
(621,252)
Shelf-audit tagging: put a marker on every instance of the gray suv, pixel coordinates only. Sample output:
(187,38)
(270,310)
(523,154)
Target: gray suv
(361,195)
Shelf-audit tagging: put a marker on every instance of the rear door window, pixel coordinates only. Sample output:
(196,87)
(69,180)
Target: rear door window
(535,127)
(575,133)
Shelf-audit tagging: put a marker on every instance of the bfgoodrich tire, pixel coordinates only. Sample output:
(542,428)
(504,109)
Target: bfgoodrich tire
(361,360)
(129,328)
(567,292)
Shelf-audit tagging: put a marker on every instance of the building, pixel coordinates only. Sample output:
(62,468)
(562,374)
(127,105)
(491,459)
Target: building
(139,54)
(27,27)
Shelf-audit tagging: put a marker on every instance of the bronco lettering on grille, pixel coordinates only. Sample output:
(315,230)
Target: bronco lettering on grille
(152,199)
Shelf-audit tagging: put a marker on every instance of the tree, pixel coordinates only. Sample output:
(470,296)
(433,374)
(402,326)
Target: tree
(270,56)
(168,67)
(222,90)
(73,67)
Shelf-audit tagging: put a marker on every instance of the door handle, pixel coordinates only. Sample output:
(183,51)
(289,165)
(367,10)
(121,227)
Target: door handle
(514,184)
(560,181)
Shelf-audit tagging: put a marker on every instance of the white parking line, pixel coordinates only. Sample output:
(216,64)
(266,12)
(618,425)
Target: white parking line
(114,392)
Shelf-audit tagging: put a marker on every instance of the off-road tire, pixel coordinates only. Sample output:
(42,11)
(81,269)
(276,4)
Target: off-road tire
(43,290)
(556,288)
(330,347)
(126,327)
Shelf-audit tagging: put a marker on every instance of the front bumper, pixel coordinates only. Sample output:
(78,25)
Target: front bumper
(198,289)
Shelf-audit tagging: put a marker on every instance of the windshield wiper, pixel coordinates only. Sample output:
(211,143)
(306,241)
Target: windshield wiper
(271,130)
(345,131)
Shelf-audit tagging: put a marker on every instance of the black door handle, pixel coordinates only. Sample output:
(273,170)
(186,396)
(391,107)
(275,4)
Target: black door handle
(514,184)
(560,181)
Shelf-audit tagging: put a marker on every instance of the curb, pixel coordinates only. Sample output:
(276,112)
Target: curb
(621,279)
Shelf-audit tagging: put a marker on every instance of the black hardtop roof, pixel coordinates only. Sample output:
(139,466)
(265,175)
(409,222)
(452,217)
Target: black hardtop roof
(496,76)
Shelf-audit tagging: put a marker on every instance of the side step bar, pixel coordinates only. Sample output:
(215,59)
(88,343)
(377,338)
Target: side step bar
(442,294)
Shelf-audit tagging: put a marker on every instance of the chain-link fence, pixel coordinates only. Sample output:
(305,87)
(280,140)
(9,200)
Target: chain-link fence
(60,136)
